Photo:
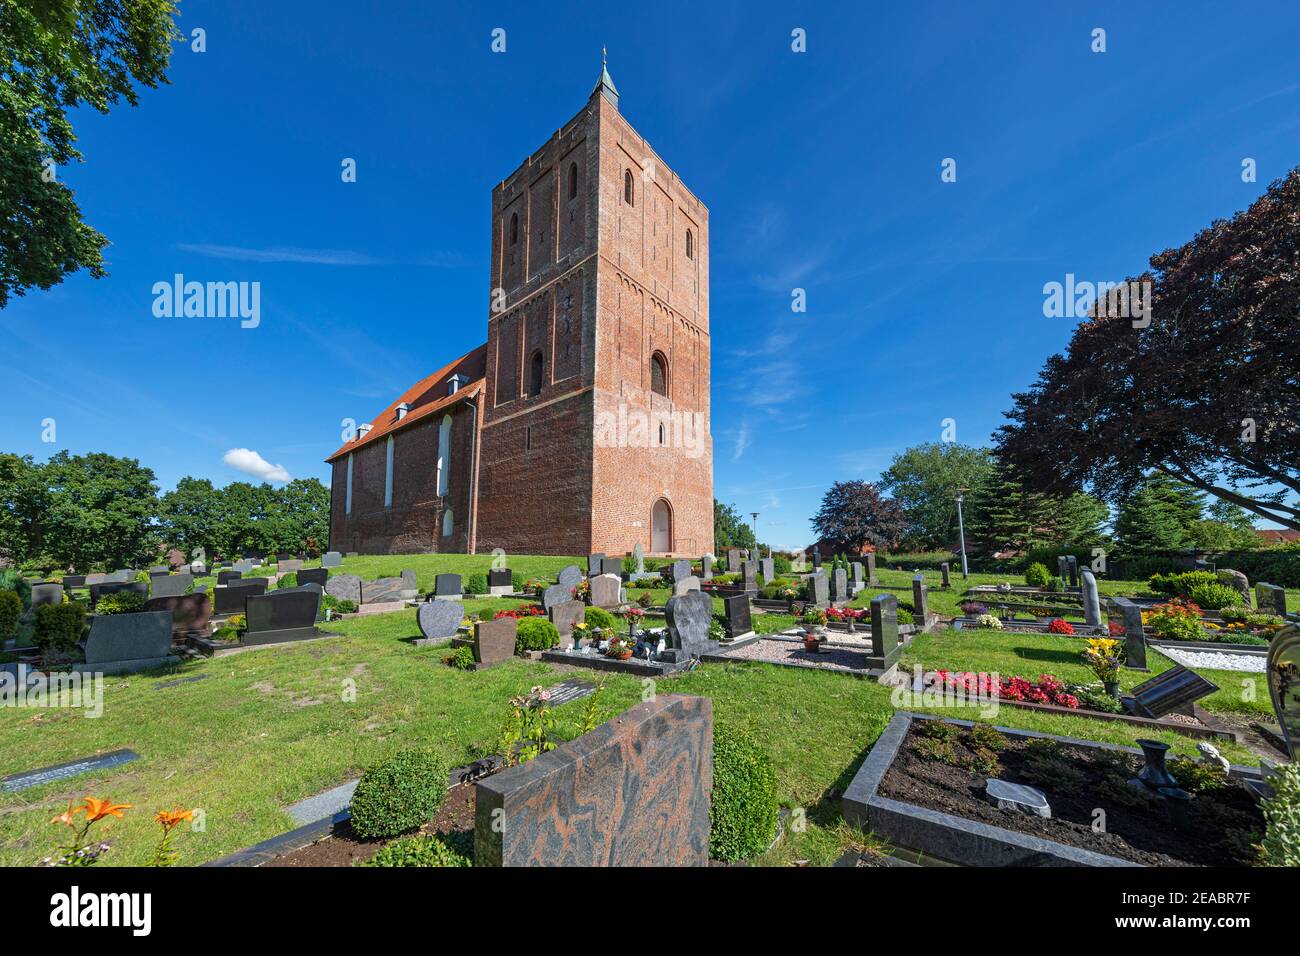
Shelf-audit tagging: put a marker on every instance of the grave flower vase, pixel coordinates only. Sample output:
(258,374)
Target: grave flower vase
(1112,688)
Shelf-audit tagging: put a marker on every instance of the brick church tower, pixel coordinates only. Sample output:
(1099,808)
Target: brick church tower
(583,423)
(596,408)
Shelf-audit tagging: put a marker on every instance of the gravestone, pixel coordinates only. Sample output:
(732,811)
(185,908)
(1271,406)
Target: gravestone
(871,569)
(47,594)
(225,577)
(611,566)
(172,585)
(738,621)
(766,569)
(920,601)
(1063,569)
(116,587)
(565,614)
(1174,691)
(749,575)
(569,575)
(1238,582)
(63,771)
(1270,599)
(288,614)
(638,555)
(688,624)
(331,559)
(680,569)
(817,559)
(593,564)
(855,582)
(633,792)
(1135,638)
(125,643)
(344,587)
(1091,599)
(818,589)
(494,641)
(289,565)
(500,581)
(74,581)
(688,583)
(946,571)
(839,586)
(316,576)
(568,691)
(244,565)
(448,587)
(382,591)
(160,569)
(1072,565)
(283,556)
(97,577)
(733,560)
(606,590)
(706,567)
(439,619)
(1283,671)
(410,589)
(884,628)
(231,598)
(557,594)
(190,613)
(120,577)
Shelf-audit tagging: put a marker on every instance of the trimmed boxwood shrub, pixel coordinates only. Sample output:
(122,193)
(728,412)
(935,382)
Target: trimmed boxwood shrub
(1281,844)
(120,602)
(1212,596)
(11,580)
(535,634)
(427,849)
(399,793)
(1037,575)
(599,617)
(289,580)
(476,583)
(59,626)
(11,608)
(744,813)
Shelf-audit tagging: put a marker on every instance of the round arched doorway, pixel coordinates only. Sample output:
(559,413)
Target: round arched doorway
(661,527)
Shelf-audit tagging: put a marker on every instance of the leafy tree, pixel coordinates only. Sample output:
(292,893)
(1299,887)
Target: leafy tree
(242,516)
(57,55)
(926,479)
(187,514)
(98,511)
(854,513)
(729,528)
(1005,515)
(1206,393)
(22,498)
(1227,527)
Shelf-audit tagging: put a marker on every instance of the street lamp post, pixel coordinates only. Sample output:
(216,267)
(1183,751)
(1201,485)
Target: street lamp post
(757,552)
(961,531)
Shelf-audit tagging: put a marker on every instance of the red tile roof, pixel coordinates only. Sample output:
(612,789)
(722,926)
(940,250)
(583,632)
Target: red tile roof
(427,396)
(1276,536)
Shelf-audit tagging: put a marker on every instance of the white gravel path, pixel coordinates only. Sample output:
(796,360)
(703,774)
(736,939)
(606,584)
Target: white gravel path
(1214,660)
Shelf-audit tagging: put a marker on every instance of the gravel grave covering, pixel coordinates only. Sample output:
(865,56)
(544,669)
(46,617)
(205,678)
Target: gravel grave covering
(784,652)
(1216,660)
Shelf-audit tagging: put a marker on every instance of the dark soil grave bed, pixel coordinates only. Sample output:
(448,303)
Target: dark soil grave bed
(344,848)
(1077,781)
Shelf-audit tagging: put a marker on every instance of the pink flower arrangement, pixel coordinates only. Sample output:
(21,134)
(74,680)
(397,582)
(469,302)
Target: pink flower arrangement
(523,610)
(846,613)
(1115,628)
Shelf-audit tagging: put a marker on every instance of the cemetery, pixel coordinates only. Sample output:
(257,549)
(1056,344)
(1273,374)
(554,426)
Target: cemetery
(486,642)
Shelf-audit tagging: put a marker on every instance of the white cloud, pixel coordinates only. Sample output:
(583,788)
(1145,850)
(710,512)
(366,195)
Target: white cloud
(251,463)
(742,441)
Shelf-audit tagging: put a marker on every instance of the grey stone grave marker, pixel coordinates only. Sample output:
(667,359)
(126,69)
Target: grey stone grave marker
(440,620)
(448,587)
(344,587)
(688,624)
(739,622)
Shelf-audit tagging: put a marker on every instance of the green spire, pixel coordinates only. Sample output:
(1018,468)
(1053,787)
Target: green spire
(606,85)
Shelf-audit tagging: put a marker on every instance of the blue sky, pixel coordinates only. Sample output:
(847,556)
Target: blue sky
(821,170)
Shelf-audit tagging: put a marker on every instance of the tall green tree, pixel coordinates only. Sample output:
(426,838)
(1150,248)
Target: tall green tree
(22,499)
(1158,516)
(55,56)
(730,529)
(926,480)
(98,511)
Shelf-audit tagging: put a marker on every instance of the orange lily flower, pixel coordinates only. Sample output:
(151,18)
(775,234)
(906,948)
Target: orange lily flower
(98,809)
(172,818)
(68,816)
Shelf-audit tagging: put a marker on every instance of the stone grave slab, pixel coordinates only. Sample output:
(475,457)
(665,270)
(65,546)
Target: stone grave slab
(381,591)
(500,581)
(494,641)
(593,564)
(606,590)
(331,559)
(171,585)
(126,643)
(688,583)
(738,620)
(570,575)
(65,771)
(448,587)
(688,624)
(1174,691)
(344,587)
(565,614)
(47,594)
(287,614)
(569,691)
(231,598)
(191,613)
(439,620)
(556,594)
(318,576)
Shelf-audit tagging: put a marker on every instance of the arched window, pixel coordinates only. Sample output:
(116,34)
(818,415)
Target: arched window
(663,434)
(444,454)
(659,374)
(661,527)
(628,196)
(573,180)
(690,245)
(514,228)
(535,373)
(448,523)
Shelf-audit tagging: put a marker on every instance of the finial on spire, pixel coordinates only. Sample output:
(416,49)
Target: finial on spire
(606,85)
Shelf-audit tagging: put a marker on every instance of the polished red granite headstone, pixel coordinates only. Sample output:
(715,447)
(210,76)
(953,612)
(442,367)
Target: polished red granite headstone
(633,792)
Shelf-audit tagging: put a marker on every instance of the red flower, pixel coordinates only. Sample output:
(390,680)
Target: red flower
(1058,626)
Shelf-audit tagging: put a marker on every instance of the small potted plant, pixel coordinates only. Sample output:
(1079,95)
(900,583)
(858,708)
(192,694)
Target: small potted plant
(581,631)
(1103,656)
(813,620)
(633,615)
(621,647)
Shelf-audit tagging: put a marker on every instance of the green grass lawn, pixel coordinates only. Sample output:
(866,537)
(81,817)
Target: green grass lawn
(268,727)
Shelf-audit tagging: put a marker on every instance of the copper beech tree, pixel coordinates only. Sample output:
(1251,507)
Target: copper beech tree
(1208,392)
(855,513)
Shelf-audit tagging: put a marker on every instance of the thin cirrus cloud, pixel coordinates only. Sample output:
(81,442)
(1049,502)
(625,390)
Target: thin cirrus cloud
(320,257)
(251,463)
